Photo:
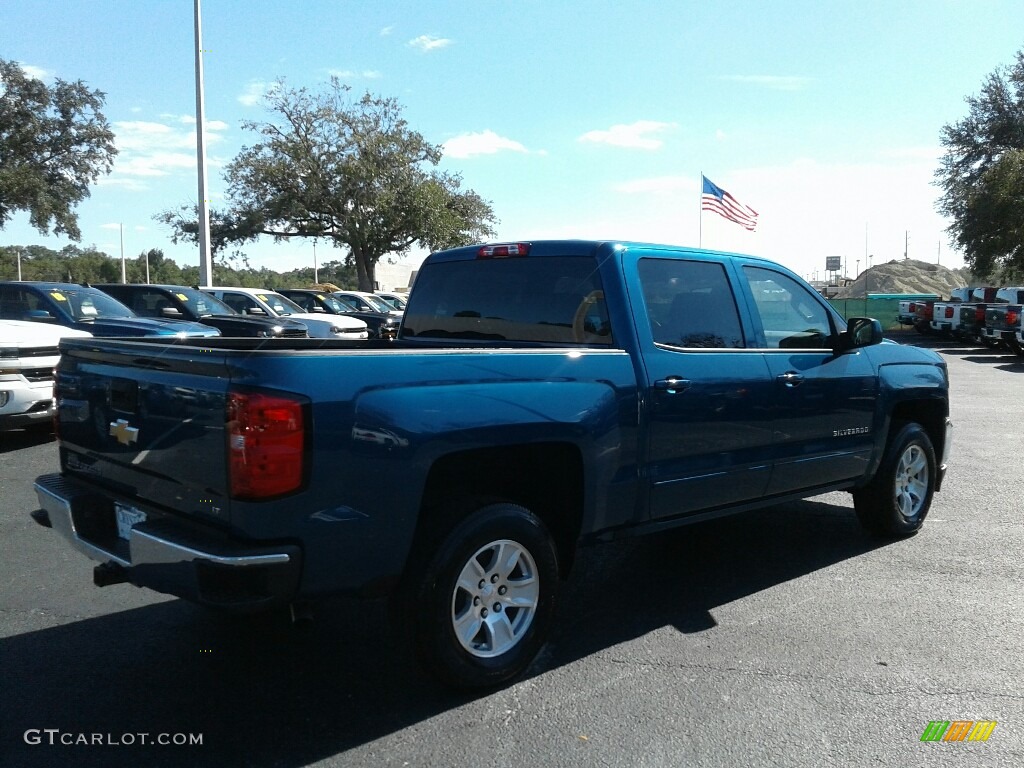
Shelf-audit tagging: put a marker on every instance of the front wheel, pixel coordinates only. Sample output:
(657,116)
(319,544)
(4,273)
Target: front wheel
(482,605)
(897,499)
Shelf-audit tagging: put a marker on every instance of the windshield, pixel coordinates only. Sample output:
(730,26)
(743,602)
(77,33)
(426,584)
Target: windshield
(88,303)
(202,304)
(279,304)
(396,302)
(336,304)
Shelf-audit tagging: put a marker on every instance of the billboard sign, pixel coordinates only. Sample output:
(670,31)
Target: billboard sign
(833,263)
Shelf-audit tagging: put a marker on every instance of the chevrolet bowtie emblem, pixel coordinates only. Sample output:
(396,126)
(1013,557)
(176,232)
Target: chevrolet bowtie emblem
(124,433)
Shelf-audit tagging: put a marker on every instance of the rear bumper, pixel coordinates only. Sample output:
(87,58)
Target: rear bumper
(169,555)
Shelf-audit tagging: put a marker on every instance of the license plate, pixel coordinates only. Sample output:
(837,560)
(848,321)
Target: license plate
(127,517)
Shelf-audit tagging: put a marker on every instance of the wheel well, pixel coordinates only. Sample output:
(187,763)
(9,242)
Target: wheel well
(930,414)
(546,478)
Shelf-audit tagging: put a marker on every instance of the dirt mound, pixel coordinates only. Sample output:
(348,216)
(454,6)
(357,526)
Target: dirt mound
(904,276)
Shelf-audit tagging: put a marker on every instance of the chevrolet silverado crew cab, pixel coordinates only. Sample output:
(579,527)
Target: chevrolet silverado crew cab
(539,396)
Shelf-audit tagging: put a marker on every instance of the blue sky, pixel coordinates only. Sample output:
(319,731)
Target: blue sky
(575,119)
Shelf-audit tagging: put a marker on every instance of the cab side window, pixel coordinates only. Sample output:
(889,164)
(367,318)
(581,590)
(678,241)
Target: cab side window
(690,304)
(791,315)
(238,302)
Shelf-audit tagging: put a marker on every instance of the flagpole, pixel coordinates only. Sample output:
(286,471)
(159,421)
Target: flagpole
(700,213)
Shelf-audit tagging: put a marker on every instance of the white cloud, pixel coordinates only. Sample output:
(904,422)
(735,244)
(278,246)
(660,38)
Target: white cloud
(386,31)
(635,136)
(774,82)
(148,149)
(37,73)
(427,43)
(659,185)
(482,143)
(348,74)
(254,92)
(110,226)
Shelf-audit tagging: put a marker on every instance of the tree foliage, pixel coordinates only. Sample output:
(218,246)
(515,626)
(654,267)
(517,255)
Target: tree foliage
(54,143)
(73,264)
(982,175)
(352,172)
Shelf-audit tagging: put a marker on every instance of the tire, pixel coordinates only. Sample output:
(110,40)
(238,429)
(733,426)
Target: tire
(1015,347)
(482,604)
(894,504)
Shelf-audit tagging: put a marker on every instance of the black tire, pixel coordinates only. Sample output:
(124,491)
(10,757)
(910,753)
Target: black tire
(1015,347)
(894,504)
(494,576)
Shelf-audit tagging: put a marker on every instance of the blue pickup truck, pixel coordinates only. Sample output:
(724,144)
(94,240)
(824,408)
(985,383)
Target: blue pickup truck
(540,395)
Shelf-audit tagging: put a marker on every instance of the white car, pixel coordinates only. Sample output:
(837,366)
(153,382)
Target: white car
(28,354)
(396,300)
(255,301)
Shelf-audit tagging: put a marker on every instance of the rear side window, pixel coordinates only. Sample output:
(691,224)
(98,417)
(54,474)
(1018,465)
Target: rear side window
(555,300)
(690,304)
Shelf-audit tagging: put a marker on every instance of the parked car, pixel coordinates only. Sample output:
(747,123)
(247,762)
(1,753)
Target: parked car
(379,324)
(946,314)
(85,308)
(259,302)
(177,302)
(396,300)
(540,396)
(367,302)
(28,355)
(907,308)
(1003,319)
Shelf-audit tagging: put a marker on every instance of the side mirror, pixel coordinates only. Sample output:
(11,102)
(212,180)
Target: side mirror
(255,311)
(171,312)
(39,316)
(860,332)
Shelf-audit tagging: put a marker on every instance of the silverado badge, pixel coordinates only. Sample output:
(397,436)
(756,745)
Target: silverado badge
(125,433)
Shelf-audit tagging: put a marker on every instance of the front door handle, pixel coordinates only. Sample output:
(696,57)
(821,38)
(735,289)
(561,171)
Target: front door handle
(791,378)
(672,384)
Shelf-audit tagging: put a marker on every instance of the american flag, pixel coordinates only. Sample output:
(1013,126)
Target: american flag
(721,202)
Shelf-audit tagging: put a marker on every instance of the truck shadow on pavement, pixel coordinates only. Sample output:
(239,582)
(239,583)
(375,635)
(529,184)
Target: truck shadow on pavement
(262,692)
(16,439)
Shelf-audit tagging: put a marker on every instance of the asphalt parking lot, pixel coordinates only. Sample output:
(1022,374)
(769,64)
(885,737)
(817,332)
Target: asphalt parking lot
(785,637)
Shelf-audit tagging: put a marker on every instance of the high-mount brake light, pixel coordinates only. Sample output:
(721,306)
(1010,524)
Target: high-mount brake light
(266,437)
(503,251)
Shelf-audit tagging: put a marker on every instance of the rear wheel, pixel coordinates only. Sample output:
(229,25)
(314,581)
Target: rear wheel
(897,499)
(480,607)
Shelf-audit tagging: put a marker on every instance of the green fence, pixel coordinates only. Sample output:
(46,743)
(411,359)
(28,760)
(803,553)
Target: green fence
(883,310)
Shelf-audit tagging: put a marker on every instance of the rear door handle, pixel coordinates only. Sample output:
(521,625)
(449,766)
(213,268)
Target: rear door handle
(791,378)
(672,384)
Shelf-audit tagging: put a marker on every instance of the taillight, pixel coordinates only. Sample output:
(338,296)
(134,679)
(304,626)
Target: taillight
(979,313)
(913,307)
(266,437)
(503,251)
(1012,317)
(949,311)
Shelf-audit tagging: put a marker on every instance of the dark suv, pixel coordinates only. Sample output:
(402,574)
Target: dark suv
(379,324)
(181,303)
(86,308)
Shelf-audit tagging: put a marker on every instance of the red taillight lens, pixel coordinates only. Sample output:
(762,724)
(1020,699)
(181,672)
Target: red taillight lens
(979,313)
(1012,317)
(266,444)
(949,311)
(913,307)
(503,251)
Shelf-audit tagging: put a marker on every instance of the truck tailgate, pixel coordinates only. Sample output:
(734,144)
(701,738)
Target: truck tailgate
(146,421)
